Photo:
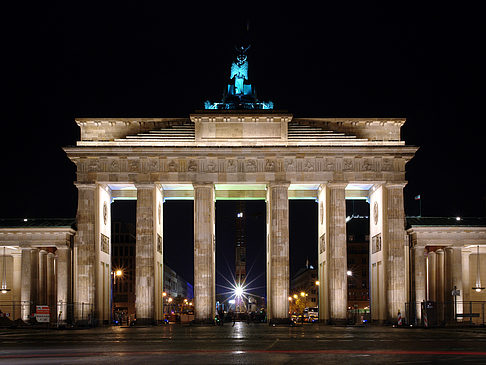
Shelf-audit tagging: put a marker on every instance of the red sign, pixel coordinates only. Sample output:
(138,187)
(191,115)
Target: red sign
(42,309)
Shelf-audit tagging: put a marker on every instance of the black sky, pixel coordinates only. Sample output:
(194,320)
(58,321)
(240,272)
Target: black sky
(143,59)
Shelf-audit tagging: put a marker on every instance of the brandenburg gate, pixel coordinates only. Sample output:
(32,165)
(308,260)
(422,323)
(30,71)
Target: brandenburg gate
(241,148)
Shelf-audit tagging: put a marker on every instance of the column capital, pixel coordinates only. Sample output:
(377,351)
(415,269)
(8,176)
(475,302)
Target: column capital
(62,246)
(145,186)
(337,184)
(203,185)
(85,185)
(275,184)
(395,185)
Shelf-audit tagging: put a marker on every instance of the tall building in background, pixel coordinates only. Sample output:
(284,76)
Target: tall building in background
(240,254)
(358,251)
(123,259)
(240,244)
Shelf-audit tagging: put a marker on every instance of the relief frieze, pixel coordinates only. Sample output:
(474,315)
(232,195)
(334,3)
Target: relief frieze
(241,165)
(231,166)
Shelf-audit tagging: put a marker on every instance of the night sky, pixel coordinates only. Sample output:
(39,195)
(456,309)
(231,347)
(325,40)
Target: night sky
(134,59)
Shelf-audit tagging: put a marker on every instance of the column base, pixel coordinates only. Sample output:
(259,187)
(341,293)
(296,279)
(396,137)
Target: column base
(202,322)
(280,322)
(338,321)
(144,322)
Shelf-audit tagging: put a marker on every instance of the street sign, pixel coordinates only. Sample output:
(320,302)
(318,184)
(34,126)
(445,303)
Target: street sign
(456,292)
(42,313)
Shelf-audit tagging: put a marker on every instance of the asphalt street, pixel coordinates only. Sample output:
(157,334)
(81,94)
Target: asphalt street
(243,344)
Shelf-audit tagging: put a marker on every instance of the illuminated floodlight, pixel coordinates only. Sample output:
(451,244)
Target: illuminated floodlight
(238,291)
(349,273)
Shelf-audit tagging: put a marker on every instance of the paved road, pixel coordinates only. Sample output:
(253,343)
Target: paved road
(243,344)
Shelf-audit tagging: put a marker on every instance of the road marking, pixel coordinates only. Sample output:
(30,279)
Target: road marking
(201,352)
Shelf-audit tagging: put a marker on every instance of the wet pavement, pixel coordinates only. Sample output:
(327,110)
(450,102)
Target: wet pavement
(243,344)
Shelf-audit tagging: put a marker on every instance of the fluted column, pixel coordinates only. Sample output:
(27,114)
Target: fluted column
(395,268)
(466,283)
(432,276)
(26,295)
(278,251)
(338,280)
(440,284)
(50,281)
(204,253)
(42,280)
(144,261)
(63,281)
(17,279)
(85,244)
(420,277)
(454,278)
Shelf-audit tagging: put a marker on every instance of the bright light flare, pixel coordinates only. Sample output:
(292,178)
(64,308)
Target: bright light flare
(238,291)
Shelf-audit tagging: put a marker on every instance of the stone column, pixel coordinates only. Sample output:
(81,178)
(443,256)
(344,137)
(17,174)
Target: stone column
(420,278)
(26,283)
(17,279)
(338,280)
(466,283)
(395,268)
(63,281)
(204,253)
(85,244)
(440,284)
(278,252)
(144,261)
(41,294)
(456,278)
(432,274)
(50,282)
(453,278)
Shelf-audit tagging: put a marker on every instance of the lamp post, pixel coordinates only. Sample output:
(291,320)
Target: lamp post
(114,274)
(304,296)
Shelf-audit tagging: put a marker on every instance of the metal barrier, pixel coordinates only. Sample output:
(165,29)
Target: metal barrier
(15,313)
(434,314)
(358,316)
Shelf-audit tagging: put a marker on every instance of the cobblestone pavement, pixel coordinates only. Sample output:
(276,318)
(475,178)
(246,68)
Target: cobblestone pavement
(243,344)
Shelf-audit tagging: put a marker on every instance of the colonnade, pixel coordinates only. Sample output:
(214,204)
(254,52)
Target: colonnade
(92,258)
(39,276)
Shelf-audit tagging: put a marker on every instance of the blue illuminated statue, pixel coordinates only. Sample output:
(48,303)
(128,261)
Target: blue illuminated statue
(239,93)
(239,71)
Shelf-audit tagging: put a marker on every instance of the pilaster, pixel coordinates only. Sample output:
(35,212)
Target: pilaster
(204,253)
(278,251)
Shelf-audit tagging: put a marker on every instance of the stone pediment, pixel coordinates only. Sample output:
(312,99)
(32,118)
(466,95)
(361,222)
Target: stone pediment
(240,128)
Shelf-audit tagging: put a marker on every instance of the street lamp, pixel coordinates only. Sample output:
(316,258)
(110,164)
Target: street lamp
(115,273)
(349,273)
(478,288)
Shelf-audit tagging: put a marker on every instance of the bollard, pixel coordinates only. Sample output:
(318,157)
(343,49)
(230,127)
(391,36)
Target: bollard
(399,321)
